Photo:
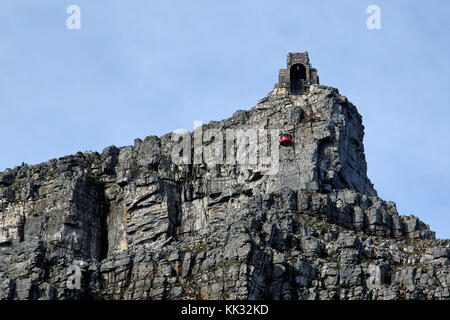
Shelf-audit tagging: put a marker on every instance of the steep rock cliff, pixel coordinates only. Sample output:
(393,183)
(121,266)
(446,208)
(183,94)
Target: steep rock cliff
(137,225)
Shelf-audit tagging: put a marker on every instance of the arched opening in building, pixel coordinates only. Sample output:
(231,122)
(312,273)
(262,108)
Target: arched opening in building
(297,77)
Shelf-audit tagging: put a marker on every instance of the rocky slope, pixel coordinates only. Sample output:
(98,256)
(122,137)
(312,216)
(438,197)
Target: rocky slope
(139,226)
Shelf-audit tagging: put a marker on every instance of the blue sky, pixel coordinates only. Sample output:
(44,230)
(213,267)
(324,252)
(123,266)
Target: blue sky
(139,68)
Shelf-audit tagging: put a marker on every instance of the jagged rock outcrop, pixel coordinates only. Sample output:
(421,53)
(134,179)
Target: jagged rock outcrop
(140,226)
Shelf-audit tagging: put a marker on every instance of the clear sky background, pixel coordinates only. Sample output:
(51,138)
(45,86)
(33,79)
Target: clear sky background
(139,68)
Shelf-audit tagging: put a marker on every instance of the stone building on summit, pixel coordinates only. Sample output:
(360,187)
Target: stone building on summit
(299,73)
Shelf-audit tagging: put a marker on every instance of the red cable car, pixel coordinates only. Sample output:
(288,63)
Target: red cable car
(286,139)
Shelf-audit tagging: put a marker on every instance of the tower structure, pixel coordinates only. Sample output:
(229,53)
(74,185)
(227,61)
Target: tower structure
(299,73)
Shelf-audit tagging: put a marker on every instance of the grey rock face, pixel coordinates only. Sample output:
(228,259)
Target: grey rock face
(136,225)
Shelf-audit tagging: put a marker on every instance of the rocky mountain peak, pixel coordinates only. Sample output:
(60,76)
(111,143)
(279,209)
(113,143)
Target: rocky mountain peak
(170,218)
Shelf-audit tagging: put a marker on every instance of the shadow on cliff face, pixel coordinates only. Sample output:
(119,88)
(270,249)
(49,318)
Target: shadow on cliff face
(85,229)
